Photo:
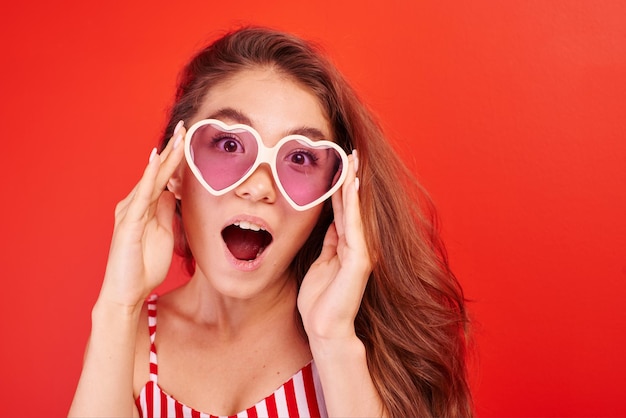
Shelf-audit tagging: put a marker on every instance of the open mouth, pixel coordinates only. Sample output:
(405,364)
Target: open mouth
(245,240)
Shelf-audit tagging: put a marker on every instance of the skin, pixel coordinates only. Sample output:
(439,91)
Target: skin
(230,336)
(274,107)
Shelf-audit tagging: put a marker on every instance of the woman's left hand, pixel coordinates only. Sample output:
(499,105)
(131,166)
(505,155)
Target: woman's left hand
(331,292)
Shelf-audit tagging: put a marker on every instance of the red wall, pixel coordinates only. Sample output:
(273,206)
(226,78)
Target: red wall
(511,112)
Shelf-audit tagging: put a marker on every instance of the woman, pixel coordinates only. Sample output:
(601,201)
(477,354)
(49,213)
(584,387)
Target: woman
(312,271)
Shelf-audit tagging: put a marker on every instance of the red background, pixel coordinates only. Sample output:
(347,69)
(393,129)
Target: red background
(511,112)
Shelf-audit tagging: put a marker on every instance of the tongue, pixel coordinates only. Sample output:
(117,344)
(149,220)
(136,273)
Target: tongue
(244,244)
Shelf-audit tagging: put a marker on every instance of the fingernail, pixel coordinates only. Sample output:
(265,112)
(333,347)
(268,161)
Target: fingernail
(356,160)
(178,126)
(177,140)
(357,183)
(152,154)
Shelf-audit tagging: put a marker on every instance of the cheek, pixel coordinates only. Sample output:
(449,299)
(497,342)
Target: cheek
(197,209)
(196,200)
(301,226)
(189,185)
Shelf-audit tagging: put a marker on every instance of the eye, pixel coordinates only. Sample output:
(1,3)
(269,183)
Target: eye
(302,157)
(228,144)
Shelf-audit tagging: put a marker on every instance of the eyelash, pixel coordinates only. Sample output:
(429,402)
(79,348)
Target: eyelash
(308,153)
(218,139)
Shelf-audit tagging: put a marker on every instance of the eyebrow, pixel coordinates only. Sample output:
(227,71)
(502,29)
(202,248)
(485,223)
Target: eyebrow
(232,115)
(236,116)
(311,133)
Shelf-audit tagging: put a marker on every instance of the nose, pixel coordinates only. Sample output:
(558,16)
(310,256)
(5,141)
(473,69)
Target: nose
(259,187)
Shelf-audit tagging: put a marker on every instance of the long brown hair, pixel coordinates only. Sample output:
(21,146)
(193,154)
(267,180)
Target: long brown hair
(412,319)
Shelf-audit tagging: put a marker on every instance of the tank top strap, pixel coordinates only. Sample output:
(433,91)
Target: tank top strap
(152,322)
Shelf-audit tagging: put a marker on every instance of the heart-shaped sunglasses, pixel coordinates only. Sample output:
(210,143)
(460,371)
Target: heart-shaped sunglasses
(223,156)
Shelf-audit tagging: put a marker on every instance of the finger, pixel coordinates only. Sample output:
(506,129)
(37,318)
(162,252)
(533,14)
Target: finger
(329,246)
(349,183)
(170,162)
(164,213)
(355,234)
(353,224)
(352,216)
(122,205)
(171,143)
(160,168)
(142,198)
(339,198)
(337,202)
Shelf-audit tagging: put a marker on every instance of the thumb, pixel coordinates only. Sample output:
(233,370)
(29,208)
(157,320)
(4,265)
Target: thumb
(329,246)
(166,206)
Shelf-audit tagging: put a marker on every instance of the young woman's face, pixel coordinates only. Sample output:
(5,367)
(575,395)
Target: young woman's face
(245,240)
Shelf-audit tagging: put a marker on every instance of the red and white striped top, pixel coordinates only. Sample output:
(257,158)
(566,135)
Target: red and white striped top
(300,396)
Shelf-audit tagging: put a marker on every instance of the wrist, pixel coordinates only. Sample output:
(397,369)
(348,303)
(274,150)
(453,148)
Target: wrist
(344,373)
(105,310)
(347,347)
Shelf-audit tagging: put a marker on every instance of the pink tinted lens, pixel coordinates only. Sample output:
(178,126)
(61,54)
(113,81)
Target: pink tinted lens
(307,172)
(223,157)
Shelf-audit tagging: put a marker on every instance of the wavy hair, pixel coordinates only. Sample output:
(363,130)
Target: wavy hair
(412,320)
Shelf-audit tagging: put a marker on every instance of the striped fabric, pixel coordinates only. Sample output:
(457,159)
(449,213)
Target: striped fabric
(300,396)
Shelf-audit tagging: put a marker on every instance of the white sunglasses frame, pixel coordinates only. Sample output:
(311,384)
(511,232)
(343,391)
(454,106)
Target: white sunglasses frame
(266,155)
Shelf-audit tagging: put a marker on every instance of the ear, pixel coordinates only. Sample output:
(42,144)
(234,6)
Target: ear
(174,184)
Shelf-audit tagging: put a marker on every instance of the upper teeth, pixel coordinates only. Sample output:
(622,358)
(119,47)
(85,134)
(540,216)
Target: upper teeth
(248,225)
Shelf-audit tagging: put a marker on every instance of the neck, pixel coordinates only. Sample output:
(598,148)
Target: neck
(230,316)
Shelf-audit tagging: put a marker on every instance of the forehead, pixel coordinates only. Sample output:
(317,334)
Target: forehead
(272,103)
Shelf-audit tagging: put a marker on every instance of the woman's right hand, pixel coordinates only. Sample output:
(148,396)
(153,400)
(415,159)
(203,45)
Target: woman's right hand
(143,238)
